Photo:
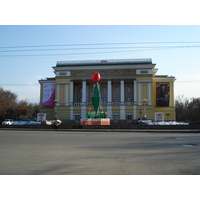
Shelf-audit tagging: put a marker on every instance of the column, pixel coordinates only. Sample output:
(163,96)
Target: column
(135,91)
(87,93)
(171,96)
(109,92)
(71,100)
(122,113)
(122,106)
(66,95)
(134,99)
(58,94)
(83,106)
(72,113)
(109,112)
(83,92)
(149,94)
(139,94)
(134,112)
(109,103)
(83,112)
(122,92)
(71,93)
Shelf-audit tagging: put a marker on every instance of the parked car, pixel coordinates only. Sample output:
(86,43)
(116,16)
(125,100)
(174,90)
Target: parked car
(8,122)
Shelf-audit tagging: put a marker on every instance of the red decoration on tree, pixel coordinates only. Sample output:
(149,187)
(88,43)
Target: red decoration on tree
(96,77)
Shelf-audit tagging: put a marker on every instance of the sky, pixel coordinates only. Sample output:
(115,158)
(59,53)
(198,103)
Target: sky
(33,37)
(28,52)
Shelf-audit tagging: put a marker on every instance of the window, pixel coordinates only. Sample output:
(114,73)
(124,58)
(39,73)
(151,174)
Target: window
(128,99)
(116,118)
(129,118)
(116,89)
(128,89)
(104,89)
(77,118)
(116,99)
(104,99)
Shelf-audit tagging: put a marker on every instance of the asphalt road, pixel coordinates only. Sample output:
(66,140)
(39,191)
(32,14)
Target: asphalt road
(98,153)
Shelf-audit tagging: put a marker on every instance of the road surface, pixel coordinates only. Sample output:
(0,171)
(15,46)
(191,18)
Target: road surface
(98,153)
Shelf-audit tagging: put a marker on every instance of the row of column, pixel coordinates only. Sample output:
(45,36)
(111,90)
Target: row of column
(109,92)
(136,85)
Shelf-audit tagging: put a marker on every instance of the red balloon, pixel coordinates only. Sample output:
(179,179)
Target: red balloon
(96,77)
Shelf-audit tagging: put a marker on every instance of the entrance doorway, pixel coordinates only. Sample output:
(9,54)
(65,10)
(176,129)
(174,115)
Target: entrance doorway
(77,118)
(129,118)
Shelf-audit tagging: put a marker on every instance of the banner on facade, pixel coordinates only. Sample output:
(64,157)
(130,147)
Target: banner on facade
(48,94)
(162,94)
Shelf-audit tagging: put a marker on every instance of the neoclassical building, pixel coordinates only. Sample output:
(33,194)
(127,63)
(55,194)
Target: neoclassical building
(130,90)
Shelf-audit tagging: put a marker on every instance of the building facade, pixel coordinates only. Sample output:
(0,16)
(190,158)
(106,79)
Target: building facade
(130,90)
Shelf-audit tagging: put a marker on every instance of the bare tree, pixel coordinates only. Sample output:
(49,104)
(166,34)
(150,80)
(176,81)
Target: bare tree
(181,104)
(7,103)
(11,108)
(187,109)
(193,110)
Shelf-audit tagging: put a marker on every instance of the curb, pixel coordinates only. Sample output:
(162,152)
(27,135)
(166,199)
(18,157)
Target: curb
(110,130)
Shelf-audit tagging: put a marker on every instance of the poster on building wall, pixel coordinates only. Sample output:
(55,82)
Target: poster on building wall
(48,94)
(162,94)
(41,117)
(159,117)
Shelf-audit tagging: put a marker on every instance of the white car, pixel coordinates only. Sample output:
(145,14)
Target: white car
(8,122)
(51,122)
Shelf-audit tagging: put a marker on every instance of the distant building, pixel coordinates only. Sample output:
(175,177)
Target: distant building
(130,89)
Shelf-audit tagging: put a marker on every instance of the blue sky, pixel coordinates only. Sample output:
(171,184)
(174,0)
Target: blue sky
(20,73)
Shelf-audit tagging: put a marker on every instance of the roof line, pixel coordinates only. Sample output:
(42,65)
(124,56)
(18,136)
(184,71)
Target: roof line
(112,61)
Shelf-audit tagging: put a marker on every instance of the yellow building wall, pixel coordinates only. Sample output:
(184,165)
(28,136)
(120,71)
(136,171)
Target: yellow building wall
(116,109)
(62,94)
(63,84)
(144,92)
(144,88)
(62,80)
(49,112)
(63,112)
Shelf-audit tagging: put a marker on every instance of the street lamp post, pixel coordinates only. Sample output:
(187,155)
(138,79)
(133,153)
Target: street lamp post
(144,102)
